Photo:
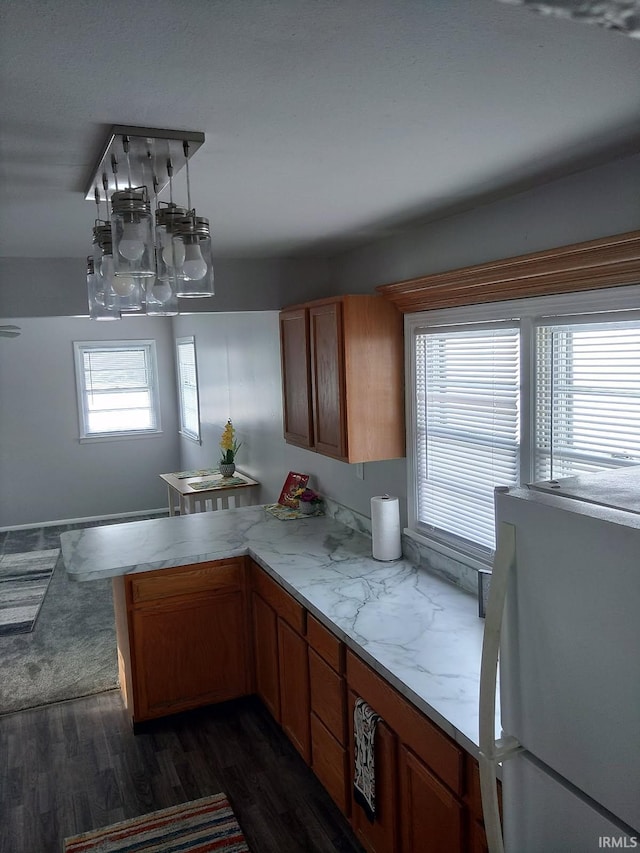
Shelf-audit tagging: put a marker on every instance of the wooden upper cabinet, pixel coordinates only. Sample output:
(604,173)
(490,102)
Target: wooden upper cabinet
(347,399)
(328,379)
(296,382)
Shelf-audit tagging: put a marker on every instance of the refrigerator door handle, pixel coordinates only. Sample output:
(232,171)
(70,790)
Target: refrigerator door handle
(492,752)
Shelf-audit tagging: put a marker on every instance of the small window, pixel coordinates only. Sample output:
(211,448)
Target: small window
(117,389)
(188,388)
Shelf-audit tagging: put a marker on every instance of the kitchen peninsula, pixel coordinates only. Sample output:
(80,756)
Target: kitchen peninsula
(352,623)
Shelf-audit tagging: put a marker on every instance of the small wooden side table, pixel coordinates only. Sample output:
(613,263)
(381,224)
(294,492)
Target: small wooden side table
(199,494)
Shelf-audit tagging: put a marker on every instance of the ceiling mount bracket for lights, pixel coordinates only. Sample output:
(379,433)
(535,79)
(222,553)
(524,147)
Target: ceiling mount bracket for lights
(144,142)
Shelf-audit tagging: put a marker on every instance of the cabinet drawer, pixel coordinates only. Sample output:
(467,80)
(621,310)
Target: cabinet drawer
(444,757)
(284,604)
(186,580)
(325,644)
(327,696)
(329,763)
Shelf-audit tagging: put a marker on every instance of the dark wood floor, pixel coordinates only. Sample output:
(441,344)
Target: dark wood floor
(77,765)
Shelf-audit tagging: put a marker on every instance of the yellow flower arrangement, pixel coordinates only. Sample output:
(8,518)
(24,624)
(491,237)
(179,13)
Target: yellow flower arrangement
(228,444)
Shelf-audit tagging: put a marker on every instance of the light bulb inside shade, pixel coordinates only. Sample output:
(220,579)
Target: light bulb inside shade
(131,246)
(161,291)
(106,269)
(173,253)
(123,285)
(194,266)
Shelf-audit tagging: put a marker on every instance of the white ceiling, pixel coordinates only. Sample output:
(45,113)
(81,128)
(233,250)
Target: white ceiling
(327,122)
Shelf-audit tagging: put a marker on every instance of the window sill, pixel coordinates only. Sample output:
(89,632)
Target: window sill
(189,437)
(474,562)
(121,436)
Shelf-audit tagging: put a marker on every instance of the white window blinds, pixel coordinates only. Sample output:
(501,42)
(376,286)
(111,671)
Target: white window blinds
(467,426)
(188,388)
(117,389)
(587,397)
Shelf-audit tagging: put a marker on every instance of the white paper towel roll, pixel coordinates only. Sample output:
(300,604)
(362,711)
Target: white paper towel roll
(385,528)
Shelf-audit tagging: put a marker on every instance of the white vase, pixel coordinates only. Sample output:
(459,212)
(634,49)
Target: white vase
(227,469)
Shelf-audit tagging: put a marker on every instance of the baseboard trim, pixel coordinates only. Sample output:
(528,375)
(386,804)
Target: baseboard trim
(84,520)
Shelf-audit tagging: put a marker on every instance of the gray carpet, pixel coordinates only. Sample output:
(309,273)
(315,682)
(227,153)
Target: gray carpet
(70,653)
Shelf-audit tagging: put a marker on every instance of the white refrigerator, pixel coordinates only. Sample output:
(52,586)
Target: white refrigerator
(563,629)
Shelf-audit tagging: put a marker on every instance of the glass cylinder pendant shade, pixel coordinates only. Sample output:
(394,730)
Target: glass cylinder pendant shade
(197,267)
(98,307)
(127,293)
(161,298)
(132,233)
(169,246)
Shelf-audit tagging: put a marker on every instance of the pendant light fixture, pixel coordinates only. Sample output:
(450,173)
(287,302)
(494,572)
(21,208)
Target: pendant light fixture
(139,266)
(193,232)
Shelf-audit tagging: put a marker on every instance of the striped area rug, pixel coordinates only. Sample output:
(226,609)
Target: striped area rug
(196,827)
(24,580)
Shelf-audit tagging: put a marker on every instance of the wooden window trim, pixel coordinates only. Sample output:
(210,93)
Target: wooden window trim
(606,262)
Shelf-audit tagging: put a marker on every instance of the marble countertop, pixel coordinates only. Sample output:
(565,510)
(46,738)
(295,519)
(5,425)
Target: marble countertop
(418,631)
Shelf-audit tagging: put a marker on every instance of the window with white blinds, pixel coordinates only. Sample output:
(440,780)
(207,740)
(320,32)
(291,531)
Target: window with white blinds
(117,388)
(512,393)
(587,397)
(188,388)
(467,426)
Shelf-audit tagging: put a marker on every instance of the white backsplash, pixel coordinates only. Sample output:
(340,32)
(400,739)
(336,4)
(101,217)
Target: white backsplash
(442,565)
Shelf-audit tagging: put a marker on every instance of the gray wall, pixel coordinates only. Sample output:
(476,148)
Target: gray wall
(46,474)
(238,357)
(57,287)
(585,206)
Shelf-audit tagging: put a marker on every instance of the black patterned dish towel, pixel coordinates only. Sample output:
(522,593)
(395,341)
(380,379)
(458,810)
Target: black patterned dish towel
(365,721)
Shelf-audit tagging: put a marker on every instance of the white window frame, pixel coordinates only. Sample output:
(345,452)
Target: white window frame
(79,349)
(184,431)
(527,311)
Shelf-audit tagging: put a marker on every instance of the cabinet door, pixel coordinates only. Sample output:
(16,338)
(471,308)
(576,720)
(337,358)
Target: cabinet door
(431,817)
(294,688)
(327,379)
(265,636)
(381,836)
(296,383)
(189,653)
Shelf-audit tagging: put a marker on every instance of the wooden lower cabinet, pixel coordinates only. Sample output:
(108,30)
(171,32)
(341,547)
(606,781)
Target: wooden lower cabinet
(327,690)
(381,835)
(329,761)
(432,818)
(434,805)
(219,630)
(280,653)
(294,688)
(265,649)
(183,637)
